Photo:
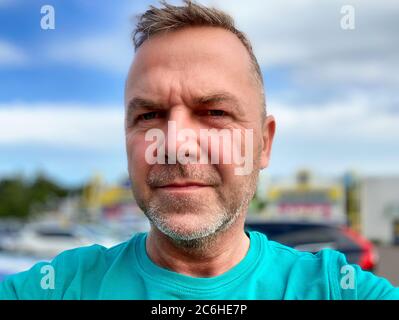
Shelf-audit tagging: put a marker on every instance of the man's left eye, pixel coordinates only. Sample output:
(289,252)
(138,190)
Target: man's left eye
(216,113)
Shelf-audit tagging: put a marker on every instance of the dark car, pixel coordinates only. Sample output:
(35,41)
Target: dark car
(313,237)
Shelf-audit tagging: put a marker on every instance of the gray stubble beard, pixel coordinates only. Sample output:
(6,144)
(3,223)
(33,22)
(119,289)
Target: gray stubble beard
(203,239)
(200,239)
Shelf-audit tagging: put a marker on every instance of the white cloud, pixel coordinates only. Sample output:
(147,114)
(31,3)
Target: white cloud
(11,55)
(357,133)
(64,125)
(331,137)
(109,52)
(305,36)
(356,119)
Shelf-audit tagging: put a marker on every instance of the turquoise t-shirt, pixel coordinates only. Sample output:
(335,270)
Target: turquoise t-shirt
(268,271)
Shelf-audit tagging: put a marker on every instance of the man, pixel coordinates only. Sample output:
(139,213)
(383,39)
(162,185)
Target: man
(193,70)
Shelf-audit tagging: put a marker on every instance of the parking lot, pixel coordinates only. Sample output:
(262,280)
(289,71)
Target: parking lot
(388,266)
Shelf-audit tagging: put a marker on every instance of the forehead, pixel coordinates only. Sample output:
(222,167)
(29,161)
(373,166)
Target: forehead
(190,61)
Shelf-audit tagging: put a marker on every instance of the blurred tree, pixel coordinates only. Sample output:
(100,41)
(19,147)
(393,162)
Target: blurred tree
(352,189)
(14,200)
(19,197)
(42,189)
(257,204)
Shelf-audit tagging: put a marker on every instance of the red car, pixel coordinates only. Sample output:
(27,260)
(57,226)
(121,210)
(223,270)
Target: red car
(312,237)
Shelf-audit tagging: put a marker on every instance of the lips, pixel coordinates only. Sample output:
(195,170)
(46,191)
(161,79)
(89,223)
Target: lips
(176,186)
(183,186)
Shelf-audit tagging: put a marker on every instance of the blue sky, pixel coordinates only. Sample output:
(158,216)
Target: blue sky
(334,92)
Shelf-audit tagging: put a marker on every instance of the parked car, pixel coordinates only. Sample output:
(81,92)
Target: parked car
(50,239)
(11,263)
(313,237)
(8,231)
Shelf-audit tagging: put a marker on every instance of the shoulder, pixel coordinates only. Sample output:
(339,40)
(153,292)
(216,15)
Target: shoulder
(327,275)
(71,268)
(88,256)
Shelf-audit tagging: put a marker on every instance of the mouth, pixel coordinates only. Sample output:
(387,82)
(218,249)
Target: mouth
(183,186)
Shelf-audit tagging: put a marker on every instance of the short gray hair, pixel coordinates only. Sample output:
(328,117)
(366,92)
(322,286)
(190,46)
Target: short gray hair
(170,18)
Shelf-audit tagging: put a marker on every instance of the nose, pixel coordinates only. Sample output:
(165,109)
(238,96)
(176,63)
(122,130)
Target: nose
(181,143)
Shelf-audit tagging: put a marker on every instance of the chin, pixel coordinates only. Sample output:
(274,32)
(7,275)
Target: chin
(187,226)
(187,229)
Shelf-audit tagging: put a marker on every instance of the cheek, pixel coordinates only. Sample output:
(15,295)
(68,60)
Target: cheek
(235,187)
(228,176)
(137,165)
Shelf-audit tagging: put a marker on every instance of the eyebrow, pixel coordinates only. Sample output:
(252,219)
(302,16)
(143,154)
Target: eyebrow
(216,98)
(138,103)
(141,103)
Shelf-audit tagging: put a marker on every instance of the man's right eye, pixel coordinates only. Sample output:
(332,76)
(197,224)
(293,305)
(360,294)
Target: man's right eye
(148,116)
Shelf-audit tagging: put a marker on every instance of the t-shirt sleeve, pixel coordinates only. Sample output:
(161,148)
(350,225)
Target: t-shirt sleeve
(44,281)
(354,283)
(37,283)
(63,278)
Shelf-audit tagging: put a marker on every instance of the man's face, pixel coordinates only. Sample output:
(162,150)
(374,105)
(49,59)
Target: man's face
(196,78)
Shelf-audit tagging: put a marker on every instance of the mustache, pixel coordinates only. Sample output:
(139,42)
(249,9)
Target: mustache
(162,174)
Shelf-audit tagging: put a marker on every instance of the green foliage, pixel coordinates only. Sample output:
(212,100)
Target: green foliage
(19,197)
(257,205)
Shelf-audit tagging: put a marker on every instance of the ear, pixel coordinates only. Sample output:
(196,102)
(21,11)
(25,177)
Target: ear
(268,130)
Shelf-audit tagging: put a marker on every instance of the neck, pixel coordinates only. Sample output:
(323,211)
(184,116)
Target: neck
(225,250)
